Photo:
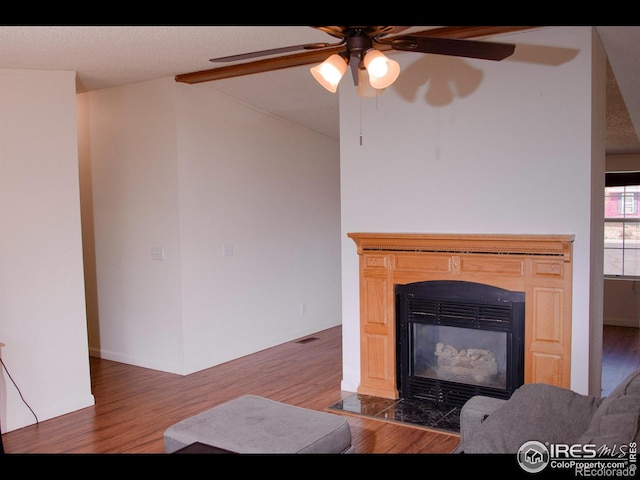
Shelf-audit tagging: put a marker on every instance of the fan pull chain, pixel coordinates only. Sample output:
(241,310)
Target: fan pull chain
(360,100)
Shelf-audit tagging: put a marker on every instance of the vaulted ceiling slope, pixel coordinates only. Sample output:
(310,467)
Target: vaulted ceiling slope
(107,56)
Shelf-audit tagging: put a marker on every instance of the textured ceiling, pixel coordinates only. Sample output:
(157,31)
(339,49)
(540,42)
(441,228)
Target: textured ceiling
(623,89)
(621,135)
(106,56)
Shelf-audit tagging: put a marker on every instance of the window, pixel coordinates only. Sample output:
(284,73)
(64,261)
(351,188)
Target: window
(627,203)
(622,225)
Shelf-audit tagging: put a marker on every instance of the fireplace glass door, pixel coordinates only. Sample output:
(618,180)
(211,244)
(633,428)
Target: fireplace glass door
(463,355)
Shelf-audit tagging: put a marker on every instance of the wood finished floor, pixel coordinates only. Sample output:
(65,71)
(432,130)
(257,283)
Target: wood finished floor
(620,355)
(134,405)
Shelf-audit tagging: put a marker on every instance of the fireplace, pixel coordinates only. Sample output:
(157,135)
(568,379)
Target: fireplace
(538,265)
(457,339)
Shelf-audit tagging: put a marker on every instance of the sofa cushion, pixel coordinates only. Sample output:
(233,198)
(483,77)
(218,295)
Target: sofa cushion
(536,411)
(617,420)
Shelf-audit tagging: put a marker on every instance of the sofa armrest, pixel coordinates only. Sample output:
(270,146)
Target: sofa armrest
(535,411)
(474,412)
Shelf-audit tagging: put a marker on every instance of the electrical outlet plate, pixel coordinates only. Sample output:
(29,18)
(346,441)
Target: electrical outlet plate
(157,253)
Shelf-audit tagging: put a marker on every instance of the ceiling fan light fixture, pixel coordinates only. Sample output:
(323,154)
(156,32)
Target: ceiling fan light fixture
(330,72)
(364,88)
(382,70)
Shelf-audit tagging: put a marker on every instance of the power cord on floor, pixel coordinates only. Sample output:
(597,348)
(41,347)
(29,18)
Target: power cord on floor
(19,392)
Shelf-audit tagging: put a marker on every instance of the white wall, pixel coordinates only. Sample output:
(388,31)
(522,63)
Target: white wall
(595,299)
(621,303)
(270,190)
(42,302)
(132,156)
(508,149)
(188,169)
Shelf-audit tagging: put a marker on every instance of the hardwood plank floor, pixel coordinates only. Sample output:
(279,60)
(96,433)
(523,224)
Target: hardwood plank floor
(135,405)
(620,355)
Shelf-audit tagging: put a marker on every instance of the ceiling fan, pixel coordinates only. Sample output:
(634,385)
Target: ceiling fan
(353,48)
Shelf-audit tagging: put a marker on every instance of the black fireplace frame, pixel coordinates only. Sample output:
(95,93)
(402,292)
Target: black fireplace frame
(483,307)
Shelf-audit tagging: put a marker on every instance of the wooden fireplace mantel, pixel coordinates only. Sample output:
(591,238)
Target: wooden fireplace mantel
(539,265)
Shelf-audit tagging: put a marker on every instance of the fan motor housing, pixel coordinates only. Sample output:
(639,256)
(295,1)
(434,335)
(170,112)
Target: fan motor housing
(359,42)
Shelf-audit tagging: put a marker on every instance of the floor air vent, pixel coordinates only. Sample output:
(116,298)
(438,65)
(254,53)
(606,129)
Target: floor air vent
(307,340)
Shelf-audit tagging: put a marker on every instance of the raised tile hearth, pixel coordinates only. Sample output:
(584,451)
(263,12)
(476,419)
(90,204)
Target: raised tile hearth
(417,413)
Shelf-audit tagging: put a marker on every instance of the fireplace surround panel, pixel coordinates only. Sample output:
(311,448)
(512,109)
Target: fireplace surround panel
(540,266)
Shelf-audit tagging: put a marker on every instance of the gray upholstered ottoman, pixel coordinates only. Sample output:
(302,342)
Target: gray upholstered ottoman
(253,424)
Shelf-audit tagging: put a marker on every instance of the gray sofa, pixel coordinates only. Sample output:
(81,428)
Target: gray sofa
(551,414)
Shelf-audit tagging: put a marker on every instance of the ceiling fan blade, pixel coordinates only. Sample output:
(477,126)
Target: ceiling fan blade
(310,56)
(393,30)
(271,51)
(452,46)
(307,57)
